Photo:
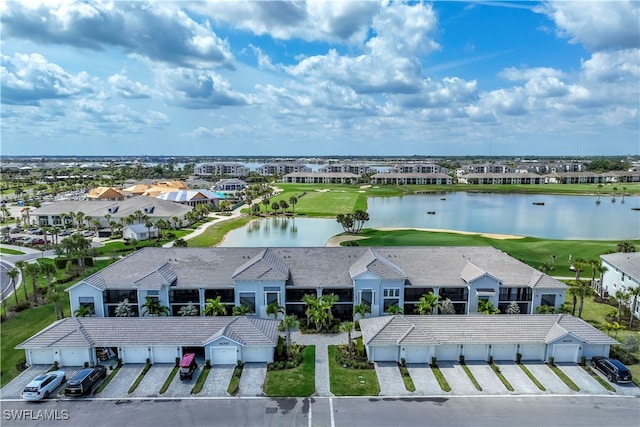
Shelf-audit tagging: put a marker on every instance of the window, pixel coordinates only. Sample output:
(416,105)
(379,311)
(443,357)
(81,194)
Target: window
(367,297)
(622,279)
(226,295)
(391,296)
(271,298)
(114,297)
(87,302)
(184,295)
(391,292)
(248,299)
(548,299)
(414,294)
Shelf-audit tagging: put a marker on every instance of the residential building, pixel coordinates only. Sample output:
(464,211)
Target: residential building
(230,185)
(193,197)
(352,168)
(232,169)
(283,168)
(104,193)
(139,232)
(322,178)
(501,178)
(391,178)
(622,274)
(418,168)
(488,168)
(378,277)
(575,178)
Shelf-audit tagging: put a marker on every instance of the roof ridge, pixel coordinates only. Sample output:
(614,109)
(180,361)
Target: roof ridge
(385,322)
(412,326)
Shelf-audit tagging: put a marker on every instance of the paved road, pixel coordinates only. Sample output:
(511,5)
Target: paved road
(585,411)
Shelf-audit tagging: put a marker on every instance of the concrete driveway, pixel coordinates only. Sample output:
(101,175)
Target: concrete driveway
(582,378)
(182,388)
(152,381)
(217,381)
(252,379)
(629,389)
(119,385)
(487,379)
(13,390)
(424,380)
(520,382)
(390,379)
(551,382)
(457,378)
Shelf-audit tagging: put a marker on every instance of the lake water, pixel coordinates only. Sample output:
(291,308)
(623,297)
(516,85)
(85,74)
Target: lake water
(561,217)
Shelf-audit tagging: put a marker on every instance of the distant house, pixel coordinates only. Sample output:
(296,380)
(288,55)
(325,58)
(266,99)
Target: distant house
(193,197)
(622,274)
(230,185)
(104,193)
(139,232)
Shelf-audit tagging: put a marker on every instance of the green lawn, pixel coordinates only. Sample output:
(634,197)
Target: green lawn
(351,382)
(215,233)
(7,251)
(296,382)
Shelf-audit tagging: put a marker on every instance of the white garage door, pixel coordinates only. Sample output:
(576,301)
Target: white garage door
(565,353)
(447,352)
(165,354)
(385,353)
(135,355)
(590,350)
(257,354)
(532,352)
(475,352)
(41,356)
(224,356)
(73,356)
(503,351)
(418,354)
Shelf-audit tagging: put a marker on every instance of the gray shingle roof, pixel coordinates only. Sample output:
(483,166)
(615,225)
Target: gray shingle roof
(442,329)
(629,263)
(179,331)
(319,266)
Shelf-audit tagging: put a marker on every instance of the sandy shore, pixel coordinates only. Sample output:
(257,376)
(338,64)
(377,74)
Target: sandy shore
(336,240)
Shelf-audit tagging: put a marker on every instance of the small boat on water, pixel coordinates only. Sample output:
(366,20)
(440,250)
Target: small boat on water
(431,212)
(443,198)
(635,209)
(538,203)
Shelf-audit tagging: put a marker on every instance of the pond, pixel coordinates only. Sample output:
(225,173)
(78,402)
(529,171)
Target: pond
(535,215)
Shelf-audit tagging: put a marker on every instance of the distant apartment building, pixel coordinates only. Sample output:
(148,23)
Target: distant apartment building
(501,178)
(321,178)
(390,178)
(222,168)
(283,168)
(487,168)
(354,168)
(418,168)
(230,185)
(574,178)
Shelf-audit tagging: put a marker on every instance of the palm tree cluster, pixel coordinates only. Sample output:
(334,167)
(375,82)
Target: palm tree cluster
(319,310)
(352,223)
(76,247)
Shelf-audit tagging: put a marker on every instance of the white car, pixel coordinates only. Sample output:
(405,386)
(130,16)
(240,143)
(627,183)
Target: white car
(43,385)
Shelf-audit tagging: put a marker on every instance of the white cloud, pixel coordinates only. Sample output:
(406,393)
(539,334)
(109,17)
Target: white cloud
(129,89)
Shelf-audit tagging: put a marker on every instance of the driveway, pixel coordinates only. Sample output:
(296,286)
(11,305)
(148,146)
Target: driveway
(629,389)
(153,380)
(13,390)
(551,382)
(252,379)
(487,379)
(424,380)
(457,378)
(182,388)
(119,385)
(390,379)
(521,383)
(217,381)
(582,378)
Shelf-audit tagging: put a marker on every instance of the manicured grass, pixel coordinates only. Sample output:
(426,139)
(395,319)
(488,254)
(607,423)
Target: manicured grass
(565,379)
(598,378)
(296,382)
(442,381)
(7,251)
(170,377)
(202,378)
(135,384)
(215,233)
(234,384)
(406,378)
(532,378)
(107,380)
(502,378)
(475,382)
(351,382)
(531,250)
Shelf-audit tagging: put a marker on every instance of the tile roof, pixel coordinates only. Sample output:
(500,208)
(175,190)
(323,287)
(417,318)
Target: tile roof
(263,266)
(372,262)
(99,208)
(442,329)
(128,331)
(629,263)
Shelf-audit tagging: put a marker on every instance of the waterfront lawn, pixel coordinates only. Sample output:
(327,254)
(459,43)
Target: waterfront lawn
(215,233)
(531,250)
(7,251)
(351,382)
(295,382)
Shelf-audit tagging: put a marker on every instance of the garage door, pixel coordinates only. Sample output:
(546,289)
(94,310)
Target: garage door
(503,351)
(565,353)
(475,352)
(224,356)
(590,350)
(165,354)
(42,356)
(385,353)
(418,354)
(257,354)
(447,352)
(532,352)
(73,356)
(135,355)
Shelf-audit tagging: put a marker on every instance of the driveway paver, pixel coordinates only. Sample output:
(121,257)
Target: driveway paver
(182,388)
(13,390)
(119,385)
(252,379)
(217,381)
(457,378)
(487,379)
(390,379)
(582,378)
(520,382)
(152,381)
(551,382)
(424,380)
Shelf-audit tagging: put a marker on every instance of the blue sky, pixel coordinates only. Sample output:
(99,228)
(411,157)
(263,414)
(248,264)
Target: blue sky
(320,78)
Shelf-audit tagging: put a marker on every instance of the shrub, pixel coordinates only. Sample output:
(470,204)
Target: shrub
(461,359)
(207,364)
(148,362)
(583,361)
(490,360)
(177,361)
(434,361)
(280,347)
(519,358)
(403,362)
(119,362)
(22,305)
(86,364)
(551,360)
(360,347)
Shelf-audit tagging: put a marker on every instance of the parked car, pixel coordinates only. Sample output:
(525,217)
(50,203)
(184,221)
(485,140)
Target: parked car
(15,230)
(37,231)
(86,233)
(36,241)
(612,368)
(188,366)
(43,385)
(64,233)
(83,381)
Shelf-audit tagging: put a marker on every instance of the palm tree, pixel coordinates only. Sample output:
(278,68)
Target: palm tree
(275,309)
(148,223)
(79,216)
(580,290)
(57,296)
(284,205)
(33,269)
(293,200)
(622,298)
(21,266)
(623,190)
(180,243)
(13,273)
(242,310)
(427,303)
(626,247)
(152,307)
(394,309)
(175,220)
(213,307)
(599,192)
(348,328)
(361,310)
(266,203)
(485,306)
(188,310)
(613,199)
(633,293)
(48,270)
(275,206)
(312,303)
(83,311)
(360,217)
(578,265)
(288,323)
